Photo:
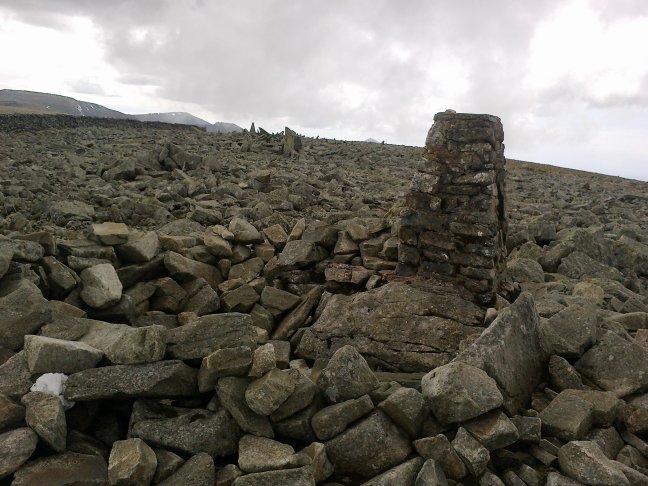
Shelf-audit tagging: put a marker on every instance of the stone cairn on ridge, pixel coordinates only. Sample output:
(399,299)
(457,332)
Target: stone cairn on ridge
(135,357)
(454,228)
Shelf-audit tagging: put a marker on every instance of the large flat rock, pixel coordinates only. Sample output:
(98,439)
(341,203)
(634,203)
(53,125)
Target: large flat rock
(163,379)
(398,327)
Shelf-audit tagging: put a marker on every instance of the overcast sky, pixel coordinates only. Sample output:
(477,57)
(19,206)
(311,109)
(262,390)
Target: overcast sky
(568,78)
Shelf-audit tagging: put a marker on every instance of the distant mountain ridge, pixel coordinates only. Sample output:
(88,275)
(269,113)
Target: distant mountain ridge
(20,101)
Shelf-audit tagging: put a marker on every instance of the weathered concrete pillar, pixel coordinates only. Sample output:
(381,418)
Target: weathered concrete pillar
(454,226)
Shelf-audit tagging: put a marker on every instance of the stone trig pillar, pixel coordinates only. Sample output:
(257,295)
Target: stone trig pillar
(454,226)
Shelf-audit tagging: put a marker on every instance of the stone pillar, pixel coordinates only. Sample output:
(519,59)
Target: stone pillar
(454,226)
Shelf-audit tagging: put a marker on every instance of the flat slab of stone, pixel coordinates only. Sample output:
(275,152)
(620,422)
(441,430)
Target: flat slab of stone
(163,379)
(122,344)
(398,327)
(510,351)
(65,468)
(210,333)
(198,430)
(49,355)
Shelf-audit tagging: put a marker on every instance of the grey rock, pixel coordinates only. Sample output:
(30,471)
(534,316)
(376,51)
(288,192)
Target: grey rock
(529,428)
(49,355)
(297,317)
(228,474)
(198,430)
(45,415)
(155,380)
(122,344)
(140,247)
(302,476)
(567,417)
(333,420)
(407,409)
(244,232)
(457,392)
(100,286)
(264,395)
(300,398)
(563,375)
(110,233)
(585,462)
(15,377)
(258,454)
(347,375)
(248,270)
(221,363)
(525,270)
(473,454)
(63,469)
(23,310)
(216,244)
(278,299)
(231,394)
(200,299)
(132,463)
(298,254)
(616,364)
(493,430)
(263,361)
(321,466)
(241,299)
(431,474)
(368,448)
(210,333)
(16,446)
(405,473)
(572,331)
(440,449)
(511,352)
(185,269)
(167,464)
(199,470)
(398,327)
(11,413)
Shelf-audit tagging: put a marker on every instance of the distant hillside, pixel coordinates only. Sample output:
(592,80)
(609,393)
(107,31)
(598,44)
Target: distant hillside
(181,117)
(222,127)
(31,102)
(15,101)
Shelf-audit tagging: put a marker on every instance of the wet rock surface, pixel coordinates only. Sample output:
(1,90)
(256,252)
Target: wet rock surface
(226,310)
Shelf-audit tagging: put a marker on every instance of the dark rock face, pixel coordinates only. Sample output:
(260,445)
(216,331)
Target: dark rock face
(455,227)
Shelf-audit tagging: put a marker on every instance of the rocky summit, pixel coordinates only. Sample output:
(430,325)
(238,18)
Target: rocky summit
(179,307)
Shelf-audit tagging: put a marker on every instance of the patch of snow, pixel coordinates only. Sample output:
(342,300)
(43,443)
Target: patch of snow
(79,108)
(54,384)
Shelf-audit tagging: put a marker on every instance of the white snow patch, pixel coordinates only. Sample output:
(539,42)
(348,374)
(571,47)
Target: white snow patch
(54,384)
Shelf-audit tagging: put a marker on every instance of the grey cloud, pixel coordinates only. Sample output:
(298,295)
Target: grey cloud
(275,61)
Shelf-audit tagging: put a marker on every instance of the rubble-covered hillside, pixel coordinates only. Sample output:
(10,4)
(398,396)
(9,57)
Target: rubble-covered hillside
(180,307)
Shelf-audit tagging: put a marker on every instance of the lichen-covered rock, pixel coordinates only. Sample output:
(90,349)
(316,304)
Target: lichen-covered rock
(132,463)
(346,376)
(457,392)
(100,286)
(16,446)
(370,447)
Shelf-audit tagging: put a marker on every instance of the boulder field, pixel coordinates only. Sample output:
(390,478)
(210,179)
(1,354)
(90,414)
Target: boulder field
(185,308)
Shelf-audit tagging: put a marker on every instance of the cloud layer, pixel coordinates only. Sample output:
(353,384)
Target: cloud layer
(569,79)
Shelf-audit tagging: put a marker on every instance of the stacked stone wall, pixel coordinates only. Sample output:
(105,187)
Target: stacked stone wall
(454,226)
